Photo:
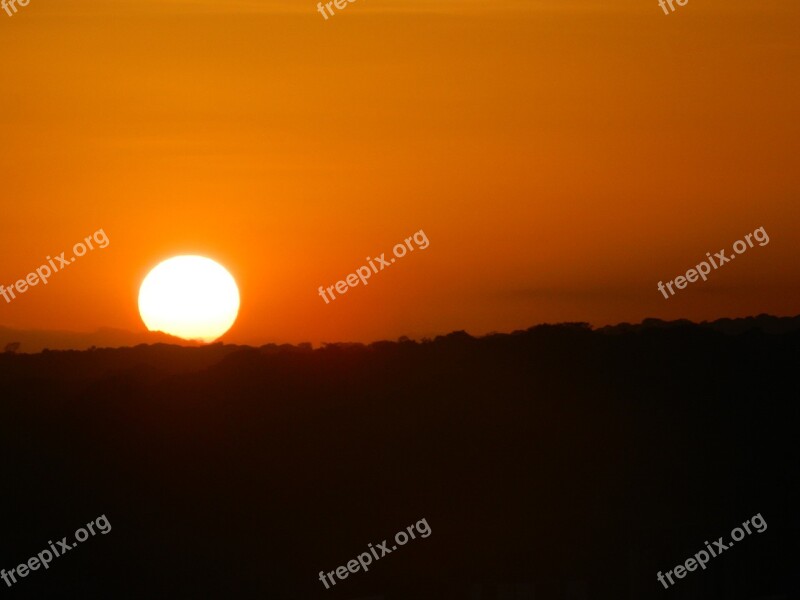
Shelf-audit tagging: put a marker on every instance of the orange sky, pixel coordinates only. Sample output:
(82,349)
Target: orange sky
(562,156)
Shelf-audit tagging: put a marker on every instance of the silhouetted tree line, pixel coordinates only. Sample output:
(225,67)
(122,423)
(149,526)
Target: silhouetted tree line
(553,463)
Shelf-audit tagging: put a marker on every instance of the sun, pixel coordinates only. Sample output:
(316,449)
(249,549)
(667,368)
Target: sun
(191,297)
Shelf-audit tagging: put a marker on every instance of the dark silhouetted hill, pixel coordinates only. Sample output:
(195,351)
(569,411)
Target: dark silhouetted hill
(553,463)
(762,323)
(32,342)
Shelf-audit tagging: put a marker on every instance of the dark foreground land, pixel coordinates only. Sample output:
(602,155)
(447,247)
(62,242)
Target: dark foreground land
(554,463)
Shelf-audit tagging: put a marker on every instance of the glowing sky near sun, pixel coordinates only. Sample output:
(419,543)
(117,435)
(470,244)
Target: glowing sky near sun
(563,157)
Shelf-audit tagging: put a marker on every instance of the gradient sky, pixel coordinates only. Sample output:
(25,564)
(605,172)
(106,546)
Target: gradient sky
(562,156)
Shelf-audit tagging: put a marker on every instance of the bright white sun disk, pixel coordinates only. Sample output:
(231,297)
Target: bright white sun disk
(190,297)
